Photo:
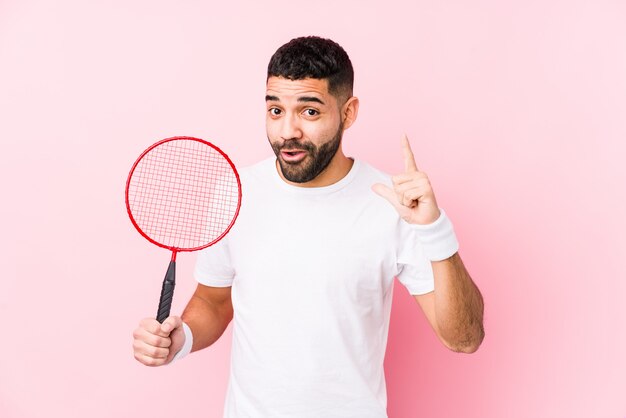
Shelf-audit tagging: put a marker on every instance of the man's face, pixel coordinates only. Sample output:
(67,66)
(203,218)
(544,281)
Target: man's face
(303,126)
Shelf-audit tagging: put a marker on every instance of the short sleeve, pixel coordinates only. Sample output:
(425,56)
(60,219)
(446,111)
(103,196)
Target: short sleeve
(213,266)
(416,272)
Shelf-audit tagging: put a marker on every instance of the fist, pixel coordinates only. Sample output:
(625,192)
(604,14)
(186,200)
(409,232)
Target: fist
(156,344)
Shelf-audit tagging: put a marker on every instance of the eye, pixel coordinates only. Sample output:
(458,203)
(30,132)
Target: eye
(274,111)
(311,112)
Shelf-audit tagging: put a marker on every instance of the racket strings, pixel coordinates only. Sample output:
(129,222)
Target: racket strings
(183,194)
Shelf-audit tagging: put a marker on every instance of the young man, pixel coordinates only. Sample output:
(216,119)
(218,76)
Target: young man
(307,271)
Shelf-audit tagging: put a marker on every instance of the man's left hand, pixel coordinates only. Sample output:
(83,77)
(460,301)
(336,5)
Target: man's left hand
(412,195)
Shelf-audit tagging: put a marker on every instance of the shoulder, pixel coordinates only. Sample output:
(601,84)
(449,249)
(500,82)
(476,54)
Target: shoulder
(257,172)
(382,218)
(369,174)
(366,177)
(261,168)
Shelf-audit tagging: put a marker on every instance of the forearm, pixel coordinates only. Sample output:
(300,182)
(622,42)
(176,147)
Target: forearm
(207,320)
(458,305)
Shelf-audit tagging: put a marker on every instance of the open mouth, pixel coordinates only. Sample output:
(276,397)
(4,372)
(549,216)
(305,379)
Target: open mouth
(293,155)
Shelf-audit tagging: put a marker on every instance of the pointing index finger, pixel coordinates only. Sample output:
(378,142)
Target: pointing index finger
(409,159)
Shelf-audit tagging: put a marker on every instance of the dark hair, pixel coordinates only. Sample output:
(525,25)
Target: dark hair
(314,57)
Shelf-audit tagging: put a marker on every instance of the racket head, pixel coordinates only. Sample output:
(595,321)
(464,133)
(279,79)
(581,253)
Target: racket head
(183,194)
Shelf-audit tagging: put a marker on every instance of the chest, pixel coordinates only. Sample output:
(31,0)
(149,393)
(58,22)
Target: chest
(323,246)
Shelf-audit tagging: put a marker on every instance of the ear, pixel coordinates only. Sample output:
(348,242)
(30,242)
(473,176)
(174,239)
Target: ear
(349,112)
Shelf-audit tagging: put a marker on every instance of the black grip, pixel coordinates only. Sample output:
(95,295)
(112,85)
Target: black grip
(167,293)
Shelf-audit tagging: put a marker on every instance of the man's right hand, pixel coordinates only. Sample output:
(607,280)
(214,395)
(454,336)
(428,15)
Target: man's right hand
(156,344)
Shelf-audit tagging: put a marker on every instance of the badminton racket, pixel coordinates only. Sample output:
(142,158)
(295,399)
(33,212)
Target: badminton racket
(182,194)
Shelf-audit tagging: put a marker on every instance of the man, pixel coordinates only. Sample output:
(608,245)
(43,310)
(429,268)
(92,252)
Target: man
(307,271)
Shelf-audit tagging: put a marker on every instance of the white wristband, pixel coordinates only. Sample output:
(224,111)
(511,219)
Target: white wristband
(186,349)
(438,238)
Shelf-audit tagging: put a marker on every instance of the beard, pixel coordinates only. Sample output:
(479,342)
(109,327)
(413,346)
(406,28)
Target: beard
(316,160)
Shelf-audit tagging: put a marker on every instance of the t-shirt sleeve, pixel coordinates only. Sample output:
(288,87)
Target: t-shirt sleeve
(416,272)
(213,266)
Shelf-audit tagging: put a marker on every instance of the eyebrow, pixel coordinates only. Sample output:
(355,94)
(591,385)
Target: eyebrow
(310,99)
(305,99)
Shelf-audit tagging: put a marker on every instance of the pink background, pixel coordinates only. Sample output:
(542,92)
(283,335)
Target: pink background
(516,110)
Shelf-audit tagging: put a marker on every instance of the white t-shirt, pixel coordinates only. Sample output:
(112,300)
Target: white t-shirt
(312,272)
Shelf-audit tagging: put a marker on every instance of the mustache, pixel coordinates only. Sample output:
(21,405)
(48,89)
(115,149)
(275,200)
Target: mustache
(292,145)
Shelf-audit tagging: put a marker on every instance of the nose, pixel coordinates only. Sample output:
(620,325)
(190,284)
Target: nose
(290,128)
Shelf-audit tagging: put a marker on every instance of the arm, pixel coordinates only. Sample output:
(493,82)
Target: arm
(207,314)
(455,308)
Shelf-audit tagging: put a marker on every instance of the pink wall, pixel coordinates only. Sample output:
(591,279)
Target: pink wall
(516,110)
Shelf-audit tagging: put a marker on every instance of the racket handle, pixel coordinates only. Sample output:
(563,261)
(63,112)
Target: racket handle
(167,292)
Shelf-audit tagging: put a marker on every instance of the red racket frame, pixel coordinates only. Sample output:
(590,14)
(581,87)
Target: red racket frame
(176,250)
